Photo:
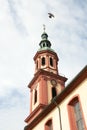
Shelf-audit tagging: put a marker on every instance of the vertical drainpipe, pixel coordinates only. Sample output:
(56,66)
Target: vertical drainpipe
(54,101)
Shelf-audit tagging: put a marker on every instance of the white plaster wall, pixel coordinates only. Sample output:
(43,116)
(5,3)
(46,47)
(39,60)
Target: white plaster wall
(55,120)
(82,91)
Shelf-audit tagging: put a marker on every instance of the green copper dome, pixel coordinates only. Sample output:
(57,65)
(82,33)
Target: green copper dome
(45,44)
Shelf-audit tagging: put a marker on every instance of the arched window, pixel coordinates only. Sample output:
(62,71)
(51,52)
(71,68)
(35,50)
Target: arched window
(47,45)
(35,96)
(53,92)
(48,125)
(51,61)
(43,61)
(75,115)
(44,45)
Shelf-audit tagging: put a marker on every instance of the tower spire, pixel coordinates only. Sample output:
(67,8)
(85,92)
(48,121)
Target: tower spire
(45,44)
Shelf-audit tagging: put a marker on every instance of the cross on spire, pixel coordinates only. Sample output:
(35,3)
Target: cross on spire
(44,27)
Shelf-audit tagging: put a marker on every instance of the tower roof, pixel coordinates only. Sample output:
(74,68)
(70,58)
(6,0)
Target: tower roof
(45,44)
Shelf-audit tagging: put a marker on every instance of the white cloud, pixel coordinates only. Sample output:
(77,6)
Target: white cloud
(12,118)
(13,109)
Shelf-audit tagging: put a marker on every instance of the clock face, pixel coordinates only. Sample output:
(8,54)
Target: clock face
(53,82)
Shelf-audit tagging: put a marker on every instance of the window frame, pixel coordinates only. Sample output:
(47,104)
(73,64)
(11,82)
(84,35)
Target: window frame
(49,125)
(71,113)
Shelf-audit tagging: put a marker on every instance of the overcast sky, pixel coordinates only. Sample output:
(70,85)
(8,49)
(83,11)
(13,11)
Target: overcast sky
(21,26)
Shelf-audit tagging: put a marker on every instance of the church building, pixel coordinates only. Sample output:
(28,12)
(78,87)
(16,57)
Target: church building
(54,106)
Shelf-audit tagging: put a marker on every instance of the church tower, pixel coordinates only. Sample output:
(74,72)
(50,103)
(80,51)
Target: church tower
(47,82)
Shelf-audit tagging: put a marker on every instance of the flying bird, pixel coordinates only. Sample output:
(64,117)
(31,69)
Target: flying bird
(50,15)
